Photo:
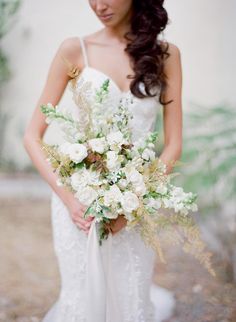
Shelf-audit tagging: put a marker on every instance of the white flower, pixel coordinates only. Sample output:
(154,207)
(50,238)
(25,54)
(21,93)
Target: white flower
(84,177)
(63,148)
(129,202)
(134,176)
(122,183)
(154,203)
(194,207)
(178,192)
(162,189)
(113,161)
(136,179)
(113,195)
(168,203)
(116,139)
(77,152)
(98,145)
(148,154)
(140,189)
(86,195)
(178,206)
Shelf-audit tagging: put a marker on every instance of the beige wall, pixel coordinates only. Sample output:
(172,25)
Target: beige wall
(202,29)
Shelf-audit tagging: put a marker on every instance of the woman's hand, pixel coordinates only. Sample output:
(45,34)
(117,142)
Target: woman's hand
(116,224)
(77,211)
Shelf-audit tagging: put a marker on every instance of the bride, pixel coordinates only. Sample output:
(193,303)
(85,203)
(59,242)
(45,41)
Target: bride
(112,282)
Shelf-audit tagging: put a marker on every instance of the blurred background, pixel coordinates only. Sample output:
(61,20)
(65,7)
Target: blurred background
(30,33)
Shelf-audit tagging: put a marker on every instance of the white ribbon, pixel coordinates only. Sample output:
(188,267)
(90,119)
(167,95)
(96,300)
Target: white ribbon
(101,291)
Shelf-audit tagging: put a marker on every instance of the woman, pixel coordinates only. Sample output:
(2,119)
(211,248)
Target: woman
(127,45)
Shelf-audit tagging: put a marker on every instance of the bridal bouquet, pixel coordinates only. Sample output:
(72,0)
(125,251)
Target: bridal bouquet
(112,175)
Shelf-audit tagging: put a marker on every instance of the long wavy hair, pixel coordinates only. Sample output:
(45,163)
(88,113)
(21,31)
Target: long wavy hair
(147,52)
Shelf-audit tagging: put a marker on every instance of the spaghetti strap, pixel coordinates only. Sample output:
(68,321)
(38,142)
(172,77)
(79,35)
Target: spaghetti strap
(85,57)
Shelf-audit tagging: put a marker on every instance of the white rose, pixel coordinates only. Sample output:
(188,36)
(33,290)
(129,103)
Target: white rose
(129,202)
(112,160)
(148,155)
(86,195)
(77,152)
(98,145)
(113,195)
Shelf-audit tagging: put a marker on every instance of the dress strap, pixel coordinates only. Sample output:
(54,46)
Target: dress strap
(85,57)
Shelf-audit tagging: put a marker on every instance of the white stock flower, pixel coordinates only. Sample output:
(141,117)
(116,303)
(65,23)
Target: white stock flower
(148,154)
(130,201)
(86,195)
(98,145)
(162,189)
(154,203)
(113,195)
(77,152)
(136,179)
(113,161)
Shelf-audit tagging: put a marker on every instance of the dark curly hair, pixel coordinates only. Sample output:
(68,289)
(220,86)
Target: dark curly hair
(147,53)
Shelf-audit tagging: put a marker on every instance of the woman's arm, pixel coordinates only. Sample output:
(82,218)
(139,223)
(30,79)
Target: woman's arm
(53,90)
(172,113)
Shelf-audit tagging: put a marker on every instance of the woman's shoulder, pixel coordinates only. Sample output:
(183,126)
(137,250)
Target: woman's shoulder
(173,58)
(172,49)
(71,54)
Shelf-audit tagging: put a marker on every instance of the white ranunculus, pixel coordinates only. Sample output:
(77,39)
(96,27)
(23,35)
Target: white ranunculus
(113,161)
(130,201)
(113,195)
(77,152)
(86,195)
(98,145)
(148,154)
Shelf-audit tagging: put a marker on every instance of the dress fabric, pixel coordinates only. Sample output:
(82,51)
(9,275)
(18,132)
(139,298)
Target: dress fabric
(112,282)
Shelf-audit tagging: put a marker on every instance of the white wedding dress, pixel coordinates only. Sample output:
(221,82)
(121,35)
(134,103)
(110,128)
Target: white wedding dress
(112,282)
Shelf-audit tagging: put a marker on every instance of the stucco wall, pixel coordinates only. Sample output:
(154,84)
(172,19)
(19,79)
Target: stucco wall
(202,29)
